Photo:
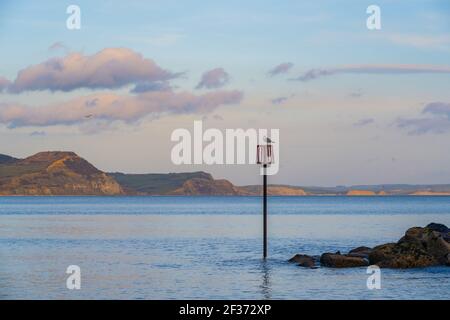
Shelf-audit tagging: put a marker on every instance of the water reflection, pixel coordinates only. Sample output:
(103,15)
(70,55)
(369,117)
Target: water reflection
(266,289)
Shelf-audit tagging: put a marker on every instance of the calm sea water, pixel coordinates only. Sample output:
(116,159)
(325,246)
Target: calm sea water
(207,247)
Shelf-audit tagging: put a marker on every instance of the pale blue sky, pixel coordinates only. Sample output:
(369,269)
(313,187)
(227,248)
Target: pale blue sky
(322,141)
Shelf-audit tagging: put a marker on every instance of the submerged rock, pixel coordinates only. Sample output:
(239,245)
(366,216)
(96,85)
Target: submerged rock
(334,260)
(303,260)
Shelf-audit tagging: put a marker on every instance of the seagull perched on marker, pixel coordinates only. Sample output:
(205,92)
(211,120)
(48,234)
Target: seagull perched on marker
(268,140)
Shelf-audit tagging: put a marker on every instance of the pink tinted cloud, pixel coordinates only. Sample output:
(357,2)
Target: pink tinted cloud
(110,68)
(109,107)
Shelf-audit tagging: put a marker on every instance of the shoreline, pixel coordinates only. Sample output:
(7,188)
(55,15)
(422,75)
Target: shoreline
(237,196)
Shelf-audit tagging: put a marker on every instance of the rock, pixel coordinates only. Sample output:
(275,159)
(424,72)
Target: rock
(432,242)
(437,227)
(333,260)
(393,255)
(303,260)
(419,247)
(441,228)
(360,252)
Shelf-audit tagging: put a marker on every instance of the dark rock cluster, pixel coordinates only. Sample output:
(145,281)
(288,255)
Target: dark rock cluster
(419,247)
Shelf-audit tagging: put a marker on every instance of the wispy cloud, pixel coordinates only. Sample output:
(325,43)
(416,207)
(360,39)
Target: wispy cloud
(435,119)
(282,99)
(57,46)
(364,122)
(313,74)
(421,41)
(38,134)
(110,68)
(213,79)
(279,100)
(280,69)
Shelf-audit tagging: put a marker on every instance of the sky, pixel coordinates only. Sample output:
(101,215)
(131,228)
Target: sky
(353,105)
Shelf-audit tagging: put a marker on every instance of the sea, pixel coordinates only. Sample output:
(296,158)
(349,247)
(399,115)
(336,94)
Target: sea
(207,247)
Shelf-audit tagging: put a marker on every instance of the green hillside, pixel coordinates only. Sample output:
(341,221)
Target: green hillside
(154,183)
(4,159)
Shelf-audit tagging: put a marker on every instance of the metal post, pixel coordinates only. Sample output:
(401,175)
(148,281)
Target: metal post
(265,210)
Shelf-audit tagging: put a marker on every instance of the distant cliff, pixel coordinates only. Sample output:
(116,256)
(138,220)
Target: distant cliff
(54,173)
(361,193)
(65,173)
(187,183)
(198,186)
(274,190)
(193,183)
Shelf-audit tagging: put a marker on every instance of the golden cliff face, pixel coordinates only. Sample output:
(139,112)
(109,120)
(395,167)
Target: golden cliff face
(55,173)
(285,191)
(361,193)
(272,190)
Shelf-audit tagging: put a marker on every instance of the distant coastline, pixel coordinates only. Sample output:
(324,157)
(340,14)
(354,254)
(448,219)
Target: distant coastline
(57,173)
(215,195)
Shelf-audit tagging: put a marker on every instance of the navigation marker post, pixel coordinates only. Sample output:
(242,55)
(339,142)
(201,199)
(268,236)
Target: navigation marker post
(264,157)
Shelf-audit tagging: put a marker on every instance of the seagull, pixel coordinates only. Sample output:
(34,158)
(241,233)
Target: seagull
(268,140)
(88,116)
